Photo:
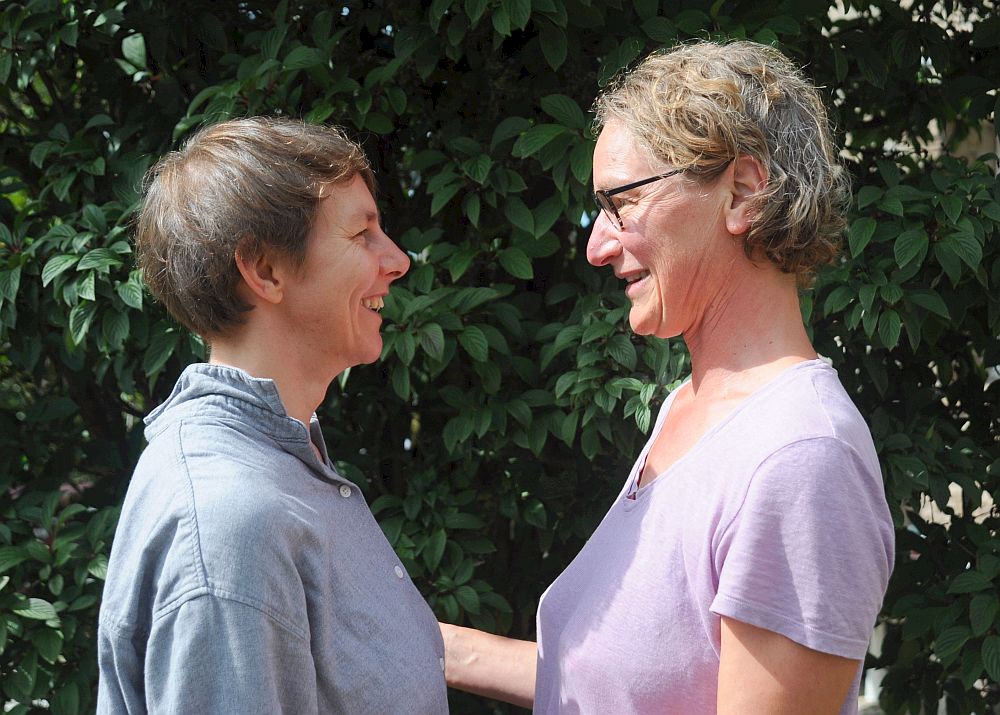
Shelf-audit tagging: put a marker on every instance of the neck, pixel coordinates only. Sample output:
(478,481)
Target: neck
(264,351)
(751,330)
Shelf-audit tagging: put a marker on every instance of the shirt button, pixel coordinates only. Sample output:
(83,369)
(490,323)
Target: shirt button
(345,491)
(399,571)
(442,663)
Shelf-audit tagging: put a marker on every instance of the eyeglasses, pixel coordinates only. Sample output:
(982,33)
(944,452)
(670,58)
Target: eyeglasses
(603,197)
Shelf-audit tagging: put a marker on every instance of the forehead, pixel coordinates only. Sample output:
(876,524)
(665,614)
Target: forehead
(347,203)
(618,159)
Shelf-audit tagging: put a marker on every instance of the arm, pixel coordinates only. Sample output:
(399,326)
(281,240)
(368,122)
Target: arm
(761,671)
(490,665)
(221,655)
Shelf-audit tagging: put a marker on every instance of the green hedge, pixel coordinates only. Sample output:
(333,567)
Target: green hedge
(511,397)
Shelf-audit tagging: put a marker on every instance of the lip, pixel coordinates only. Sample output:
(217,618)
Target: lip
(634,283)
(634,288)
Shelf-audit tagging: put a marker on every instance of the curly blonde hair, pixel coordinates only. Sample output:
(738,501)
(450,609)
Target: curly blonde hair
(698,106)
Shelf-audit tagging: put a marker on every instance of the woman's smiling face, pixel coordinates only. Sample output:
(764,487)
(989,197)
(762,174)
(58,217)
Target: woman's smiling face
(674,248)
(335,297)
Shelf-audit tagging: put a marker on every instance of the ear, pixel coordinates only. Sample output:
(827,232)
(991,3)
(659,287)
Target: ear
(748,177)
(263,277)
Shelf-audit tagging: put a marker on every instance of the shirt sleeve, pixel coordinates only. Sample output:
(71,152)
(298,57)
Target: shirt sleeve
(215,654)
(809,553)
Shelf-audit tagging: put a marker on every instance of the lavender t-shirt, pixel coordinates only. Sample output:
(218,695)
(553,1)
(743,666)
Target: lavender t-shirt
(775,517)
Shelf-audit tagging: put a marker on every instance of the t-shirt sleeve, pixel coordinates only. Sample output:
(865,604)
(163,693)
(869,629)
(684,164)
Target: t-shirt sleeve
(223,655)
(809,553)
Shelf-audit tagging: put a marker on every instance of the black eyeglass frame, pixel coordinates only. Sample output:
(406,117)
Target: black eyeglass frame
(603,196)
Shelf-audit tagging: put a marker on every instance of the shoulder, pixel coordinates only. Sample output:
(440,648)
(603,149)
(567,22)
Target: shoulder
(210,509)
(806,409)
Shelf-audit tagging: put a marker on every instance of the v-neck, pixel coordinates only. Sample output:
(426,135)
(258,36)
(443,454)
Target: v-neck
(633,493)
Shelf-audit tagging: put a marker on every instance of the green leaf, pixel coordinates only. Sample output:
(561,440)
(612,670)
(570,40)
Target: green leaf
(474,342)
(581,162)
(478,168)
(868,195)
(131,293)
(889,327)
(471,207)
(436,11)
(432,340)
(66,700)
(950,641)
(134,50)
(98,567)
(474,9)
(972,666)
(48,643)
(969,582)
(443,195)
(952,206)
(99,258)
(534,514)
(40,151)
(434,549)
(536,138)
(621,349)
(501,21)
(406,347)
(516,263)
(508,128)
(564,110)
(659,29)
(55,266)
(86,287)
(891,206)
(909,245)
(965,245)
(519,12)
(467,598)
(461,520)
(982,612)
(860,234)
(930,300)
(553,42)
(37,609)
(115,328)
(303,57)
(80,319)
(401,381)
(991,657)
(161,347)
(11,556)
(10,280)
(519,214)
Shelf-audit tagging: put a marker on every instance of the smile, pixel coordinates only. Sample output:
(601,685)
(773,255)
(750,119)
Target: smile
(374,303)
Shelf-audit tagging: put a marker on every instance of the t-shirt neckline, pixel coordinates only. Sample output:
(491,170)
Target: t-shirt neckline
(631,495)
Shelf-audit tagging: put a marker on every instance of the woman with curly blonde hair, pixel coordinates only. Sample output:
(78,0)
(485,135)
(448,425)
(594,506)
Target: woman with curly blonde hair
(744,562)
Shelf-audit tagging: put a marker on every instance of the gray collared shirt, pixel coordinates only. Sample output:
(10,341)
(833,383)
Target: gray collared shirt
(247,576)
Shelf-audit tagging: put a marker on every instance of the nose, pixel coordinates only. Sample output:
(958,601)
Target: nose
(395,263)
(603,245)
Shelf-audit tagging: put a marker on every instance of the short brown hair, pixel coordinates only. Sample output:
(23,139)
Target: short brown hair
(700,105)
(236,186)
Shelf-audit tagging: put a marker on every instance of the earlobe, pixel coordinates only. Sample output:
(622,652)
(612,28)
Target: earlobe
(748,178)
(261,276)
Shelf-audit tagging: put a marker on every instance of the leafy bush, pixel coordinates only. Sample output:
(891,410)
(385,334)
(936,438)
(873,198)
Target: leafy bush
(511,396)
